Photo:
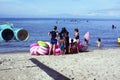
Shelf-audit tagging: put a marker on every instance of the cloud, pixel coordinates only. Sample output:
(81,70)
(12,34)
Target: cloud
(113,12)
(111,9)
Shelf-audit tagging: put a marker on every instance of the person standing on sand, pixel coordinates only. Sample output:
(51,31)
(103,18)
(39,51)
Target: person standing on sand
(62,45)
(65,35)
(72,47)
(76,34)
(53,34)
(63,32)
(67,42)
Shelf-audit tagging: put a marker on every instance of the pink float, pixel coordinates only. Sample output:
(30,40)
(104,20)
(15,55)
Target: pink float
(33,50)
(49,45)
(42,50)
(36,49)
(57,45)
(34,44)
(80,45)
(87,35)
(57,51)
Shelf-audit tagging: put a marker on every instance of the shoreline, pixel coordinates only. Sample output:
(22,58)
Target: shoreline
(92,65)
(89,49)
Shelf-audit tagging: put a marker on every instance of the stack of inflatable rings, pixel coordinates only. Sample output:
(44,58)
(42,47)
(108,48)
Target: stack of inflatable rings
(33,49)
(43,48)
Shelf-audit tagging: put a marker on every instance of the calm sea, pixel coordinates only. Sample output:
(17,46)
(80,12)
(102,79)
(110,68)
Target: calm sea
(38,29)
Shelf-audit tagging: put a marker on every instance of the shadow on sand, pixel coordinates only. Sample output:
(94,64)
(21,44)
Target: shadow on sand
(52,73)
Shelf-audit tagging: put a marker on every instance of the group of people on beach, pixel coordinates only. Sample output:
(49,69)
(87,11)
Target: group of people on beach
(64,44)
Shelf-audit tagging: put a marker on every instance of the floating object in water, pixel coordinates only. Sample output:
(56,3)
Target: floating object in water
(87,36)
(119,40)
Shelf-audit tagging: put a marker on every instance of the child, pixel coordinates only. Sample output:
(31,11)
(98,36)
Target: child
(73,47)
(76,34)
(99,43)
(62,45)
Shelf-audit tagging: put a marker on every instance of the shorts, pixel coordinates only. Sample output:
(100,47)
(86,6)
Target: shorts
(62,46)
(53,41)
(77,40)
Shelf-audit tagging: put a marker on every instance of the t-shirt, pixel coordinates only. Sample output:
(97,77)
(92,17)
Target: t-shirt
(77,37)
(53,34)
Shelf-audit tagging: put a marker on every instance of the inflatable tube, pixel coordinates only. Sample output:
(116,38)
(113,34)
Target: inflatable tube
(43,48)
(57,45)
(6,34)
(80,45)
(5,26)
(34,44)
(44,44)
(49,45)
(33,50)
(21,34)
(118,40)
(38,49)
(57,51)
(41,51)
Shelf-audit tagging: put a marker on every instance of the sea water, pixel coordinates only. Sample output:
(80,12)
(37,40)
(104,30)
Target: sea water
(38,29)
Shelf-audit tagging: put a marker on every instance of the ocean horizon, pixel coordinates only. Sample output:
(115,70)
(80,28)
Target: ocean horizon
(50,18)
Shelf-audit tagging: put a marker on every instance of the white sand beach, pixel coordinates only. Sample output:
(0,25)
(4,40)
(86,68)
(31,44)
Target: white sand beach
(93,65)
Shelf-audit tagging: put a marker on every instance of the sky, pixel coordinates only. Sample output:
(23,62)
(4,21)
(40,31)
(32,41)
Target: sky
(60,8)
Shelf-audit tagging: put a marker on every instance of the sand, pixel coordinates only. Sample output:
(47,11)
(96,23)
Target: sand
(93,65)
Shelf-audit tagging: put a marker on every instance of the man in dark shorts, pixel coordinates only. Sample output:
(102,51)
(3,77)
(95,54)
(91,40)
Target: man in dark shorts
(53,34)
